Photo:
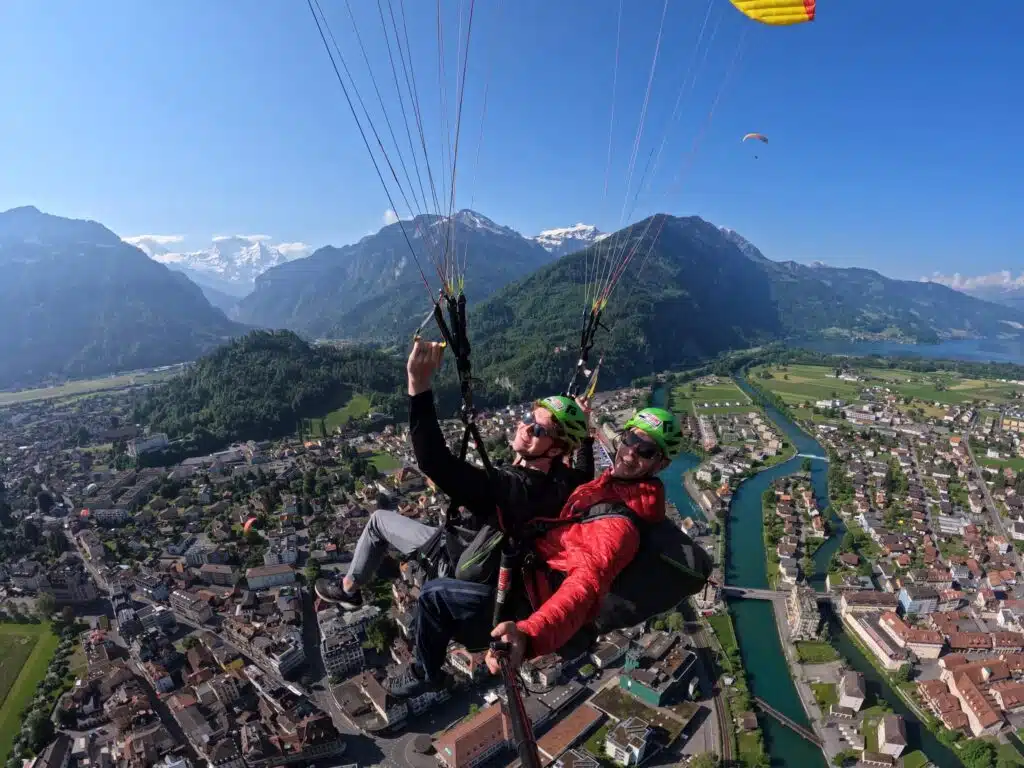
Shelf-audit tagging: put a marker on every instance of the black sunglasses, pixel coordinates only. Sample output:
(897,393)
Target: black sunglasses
(537,430)
(645,449)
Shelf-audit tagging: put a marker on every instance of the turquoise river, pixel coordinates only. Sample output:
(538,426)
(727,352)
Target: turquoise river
(767,670)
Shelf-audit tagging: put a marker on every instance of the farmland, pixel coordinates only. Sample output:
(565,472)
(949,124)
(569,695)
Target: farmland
(797,384)
(704,394)
(25,653)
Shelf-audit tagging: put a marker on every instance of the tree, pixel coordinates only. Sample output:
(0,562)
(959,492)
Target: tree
(903,674)
(805,465)
(705,760)
(190,642)
(312,572)
(379,635)
(67,615)
(45,605)
(675,622)
(977,753)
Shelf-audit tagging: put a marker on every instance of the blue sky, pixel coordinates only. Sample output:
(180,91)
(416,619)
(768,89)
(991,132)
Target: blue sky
(891,125)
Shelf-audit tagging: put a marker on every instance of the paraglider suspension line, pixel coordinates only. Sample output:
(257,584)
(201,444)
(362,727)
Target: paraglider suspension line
(582,370)
(453,331)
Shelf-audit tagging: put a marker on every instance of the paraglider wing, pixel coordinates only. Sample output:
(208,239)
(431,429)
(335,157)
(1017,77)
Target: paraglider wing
(758,136)
(248,524)
(777,12)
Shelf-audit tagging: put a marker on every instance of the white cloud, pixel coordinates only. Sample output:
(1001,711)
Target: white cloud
(390,217)
(250,238)
(1002,279)
(294,250)
(153,245)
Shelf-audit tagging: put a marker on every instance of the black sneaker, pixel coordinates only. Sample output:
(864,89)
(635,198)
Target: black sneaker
(333,592)
(409,682)
(350,601)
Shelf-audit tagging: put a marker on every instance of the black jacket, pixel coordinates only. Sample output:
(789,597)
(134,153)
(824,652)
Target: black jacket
(516,493)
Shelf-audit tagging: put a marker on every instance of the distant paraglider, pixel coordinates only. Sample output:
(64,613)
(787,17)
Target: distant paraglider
(248,525)
(759,136)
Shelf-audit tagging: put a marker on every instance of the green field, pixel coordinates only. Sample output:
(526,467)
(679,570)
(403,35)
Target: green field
(385,461)
(826,694)
(688,396)
(721,624)
(816,652)
(25,653)
(799,383)
(915,759)
(85,386)
(357,407)
(1016,463)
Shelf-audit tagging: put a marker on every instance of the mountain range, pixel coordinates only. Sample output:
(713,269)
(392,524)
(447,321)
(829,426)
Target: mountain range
(80,301)
(699,291)
(560,242)
(75,300)
(228,268)
(373,289)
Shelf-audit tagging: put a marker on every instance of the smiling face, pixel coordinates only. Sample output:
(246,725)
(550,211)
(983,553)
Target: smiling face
(535,435)
(637,456)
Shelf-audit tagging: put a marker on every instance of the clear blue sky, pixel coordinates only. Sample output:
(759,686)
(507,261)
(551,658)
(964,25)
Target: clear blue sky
(892,125)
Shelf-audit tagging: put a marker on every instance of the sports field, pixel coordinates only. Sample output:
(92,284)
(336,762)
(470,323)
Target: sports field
(25,653)
(710,396)
(800,383)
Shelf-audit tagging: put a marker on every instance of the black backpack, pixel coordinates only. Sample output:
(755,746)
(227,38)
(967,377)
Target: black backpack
(667,568)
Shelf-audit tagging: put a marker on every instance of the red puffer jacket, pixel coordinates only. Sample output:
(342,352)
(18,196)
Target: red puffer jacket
(590,555)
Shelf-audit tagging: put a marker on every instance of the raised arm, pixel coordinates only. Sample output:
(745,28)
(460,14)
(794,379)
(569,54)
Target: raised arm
(467,484)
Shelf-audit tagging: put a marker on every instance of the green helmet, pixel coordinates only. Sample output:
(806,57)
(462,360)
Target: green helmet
(570,417)
(661,426)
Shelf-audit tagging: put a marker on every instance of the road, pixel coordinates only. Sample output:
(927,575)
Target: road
(718,740)
(997,519)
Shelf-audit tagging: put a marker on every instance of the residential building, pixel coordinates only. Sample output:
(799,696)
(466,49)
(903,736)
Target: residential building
(867,600)
(156,616)
(802,613)
(151,587)
(653,674)
(191,607)
(892,735)
(281,550)
(222,575)
(267,576)
(627,742)
(474,741)
(918,600)
(154,442)
(852,691)
(342,653)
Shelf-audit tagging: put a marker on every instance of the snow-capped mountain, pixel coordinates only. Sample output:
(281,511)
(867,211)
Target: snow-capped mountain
(560,242)
(231,264)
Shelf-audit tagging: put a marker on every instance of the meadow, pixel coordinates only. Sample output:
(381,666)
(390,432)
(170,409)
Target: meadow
(692,396)
(797,384)
(25,653)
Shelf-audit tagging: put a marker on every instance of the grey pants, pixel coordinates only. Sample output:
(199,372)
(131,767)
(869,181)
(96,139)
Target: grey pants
(385,529)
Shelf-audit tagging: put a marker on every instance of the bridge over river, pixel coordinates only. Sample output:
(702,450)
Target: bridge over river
(763,594)
(803,730)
